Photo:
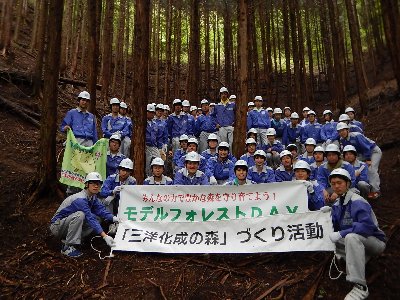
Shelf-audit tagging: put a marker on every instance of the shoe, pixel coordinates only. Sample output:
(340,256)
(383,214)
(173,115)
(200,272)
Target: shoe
(358,292)
(112,229)
(373,195)
(71,251)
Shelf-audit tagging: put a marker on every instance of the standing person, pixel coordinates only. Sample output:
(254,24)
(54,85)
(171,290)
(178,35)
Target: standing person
(157,177)
(259,118)
(352,114)
(352,127)
(220,169)
(278,124)
(270,112)
(293,131)
(250,106)
(162,135)
(241,170)
(204,125)
(224,117)
(152,137)
(287,114)
(211,151)
(186,107)
(312,129)
(251,147)
(190,174)
(81,122)
(368,150)
(357,236)
(305,120)
(260,172)
(285,171)
(77,216)
(178,123)
(114,122)
(114,156)
(126,143)
(167,110)
(328,131)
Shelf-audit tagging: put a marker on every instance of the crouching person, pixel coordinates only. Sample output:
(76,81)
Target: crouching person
(77,216)
(357,236)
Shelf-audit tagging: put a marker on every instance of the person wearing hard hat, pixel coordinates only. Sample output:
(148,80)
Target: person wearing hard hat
(220,169)
(190,174)
(285,171)
(232,98)
(81,122)
(153,142)
(167,110)
(251,147)
(241,169)
(186,106)
(126,142)
(312,129)
(273,147)
(192,146)
(204,125)
(302,171)
(259,118)
(319,159)
(212,106)
(77,215)
(178,123)
(292,132)
(360,169)
(162,135)
(157,177)
(193,111)
(110,191)
(115,123)
(183,144)
(352,114)
(114,156)
(270,112)
(308,155)
(352,127)
(328,131)
(211,151)
(295,152)
(305,120)
(260,172)
(252,133)
(367,150)
(287,112)
(224,117)
(357,236)
(278,124)
(333,161)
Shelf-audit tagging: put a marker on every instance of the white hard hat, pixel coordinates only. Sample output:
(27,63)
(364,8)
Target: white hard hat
(157,161)
(123,105)
(160,106)
(326,111)
(114,101)
(212,136)
(252,130)
(310,141)
(166,107)
(250,141)
(212,104)
(193,141)
(302,164)
(311,112)
(319,149)
(204,101)
(288,147)
(344,117)
(284,153)
(349,148)
(258,98)
(340,172)
(287,107)
(251,103)
(271,131)
(332,148)
(150,107)
(294,115)
(185,103)
(177,102)
(269,109)
(232,97)
(241,163)
(84,95)
(93,176)
(306,108)
(183,137)
(192,156)
(115,137)
(126,163)
(192,108)
(223,145)
(260,153)
(349,109)
(277,111)
(223,90)
(342,125)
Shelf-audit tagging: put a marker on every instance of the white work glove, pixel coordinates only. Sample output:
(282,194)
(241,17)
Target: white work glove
(335,236)
(108,200)
(165,148)
(328,141)
(325,209)
(116,219)
(298,140)
(213,181)
(117,189)
(109,240)
(309,186)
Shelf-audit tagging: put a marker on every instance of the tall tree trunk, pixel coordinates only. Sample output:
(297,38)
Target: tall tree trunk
(193,78)
(207,52)
(46,182)
(177,86)
(254,50)
(296,57)
(266,59)
(310,99)
(36,20)
(77,42)
(241,106)
(157,52)
(119,42)
(361,78)
(126,51)
(140,80)
(168,45)
(5,41)
(227,43)
(66,35)
(287,52)
(106,58)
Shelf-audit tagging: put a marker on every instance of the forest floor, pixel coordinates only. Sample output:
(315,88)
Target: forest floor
(33,268)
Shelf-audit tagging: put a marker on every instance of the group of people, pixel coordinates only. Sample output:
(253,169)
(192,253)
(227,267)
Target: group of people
(336,161)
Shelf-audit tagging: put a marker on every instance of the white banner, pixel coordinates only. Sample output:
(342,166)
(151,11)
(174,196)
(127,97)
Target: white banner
(281,233)
(166,204)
